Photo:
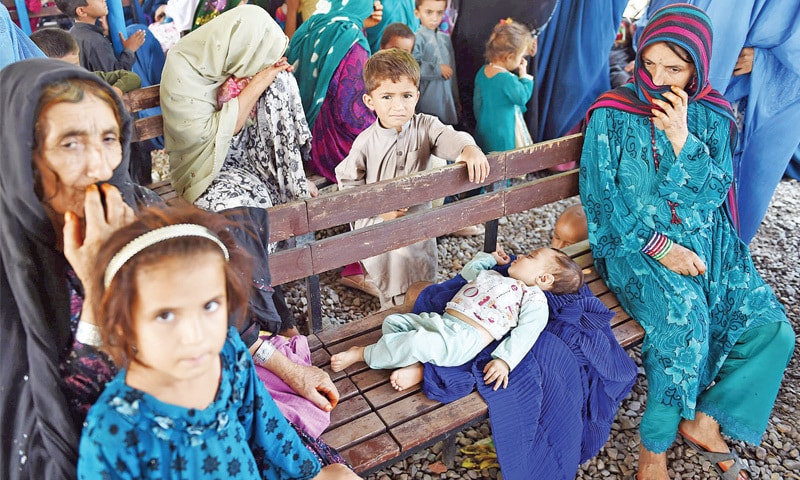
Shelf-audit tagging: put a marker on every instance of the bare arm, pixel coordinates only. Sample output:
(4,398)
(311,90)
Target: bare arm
(258,85)
(307,381)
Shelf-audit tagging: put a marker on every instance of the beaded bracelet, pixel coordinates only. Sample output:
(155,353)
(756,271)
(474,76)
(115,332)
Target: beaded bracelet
(264,353)
(88,334)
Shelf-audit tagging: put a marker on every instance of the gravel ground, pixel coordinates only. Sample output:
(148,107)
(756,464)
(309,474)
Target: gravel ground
(775,254)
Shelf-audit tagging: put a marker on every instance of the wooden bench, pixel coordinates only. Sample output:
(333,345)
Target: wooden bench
(374,425)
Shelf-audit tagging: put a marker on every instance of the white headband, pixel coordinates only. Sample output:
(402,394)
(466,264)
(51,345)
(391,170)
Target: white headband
(153,237)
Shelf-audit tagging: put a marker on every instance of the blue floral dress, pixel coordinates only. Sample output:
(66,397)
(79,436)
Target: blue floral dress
(242,434)
(690,323)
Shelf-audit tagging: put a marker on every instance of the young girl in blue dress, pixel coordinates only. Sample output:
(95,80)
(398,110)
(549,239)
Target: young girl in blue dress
(503,88)
(187,402)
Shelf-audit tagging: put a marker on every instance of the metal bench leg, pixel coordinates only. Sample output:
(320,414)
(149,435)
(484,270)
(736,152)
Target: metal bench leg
(449,451)
(313,294)
(314,297)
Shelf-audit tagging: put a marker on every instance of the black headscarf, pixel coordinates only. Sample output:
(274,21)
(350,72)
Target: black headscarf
(39,435)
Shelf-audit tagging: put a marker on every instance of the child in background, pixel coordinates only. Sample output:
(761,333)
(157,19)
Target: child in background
(96,51)
(398,35)
(60,44)
(434,52)
(503,88)
(487,308)
(187,402)
(570,228)
(401,142)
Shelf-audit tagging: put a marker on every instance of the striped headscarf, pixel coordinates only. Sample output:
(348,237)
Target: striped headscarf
(688,27)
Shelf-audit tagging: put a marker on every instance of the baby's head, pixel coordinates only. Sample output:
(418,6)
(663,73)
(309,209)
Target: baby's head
(570,228)
(166,287)
(398,35)
(57,43)
(391,78)
(549,269)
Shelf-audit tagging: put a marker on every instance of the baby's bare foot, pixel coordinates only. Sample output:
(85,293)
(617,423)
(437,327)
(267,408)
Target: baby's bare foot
(406,377)
(342,360)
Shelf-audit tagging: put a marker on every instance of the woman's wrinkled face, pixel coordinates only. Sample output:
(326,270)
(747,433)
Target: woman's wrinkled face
(666,67)
(80,146)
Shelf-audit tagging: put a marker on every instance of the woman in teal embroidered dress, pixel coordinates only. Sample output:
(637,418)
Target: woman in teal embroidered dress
(656,171)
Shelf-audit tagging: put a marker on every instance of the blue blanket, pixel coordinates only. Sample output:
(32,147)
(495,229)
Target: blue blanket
(561,399)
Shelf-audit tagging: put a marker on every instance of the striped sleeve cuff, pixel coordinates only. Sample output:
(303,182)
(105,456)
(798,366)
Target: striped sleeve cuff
(658,246)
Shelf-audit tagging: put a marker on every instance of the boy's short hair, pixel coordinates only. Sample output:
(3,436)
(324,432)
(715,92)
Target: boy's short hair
(69,7)
(568,277)
(54,42)
(391,64)
(396,29)
(418,3)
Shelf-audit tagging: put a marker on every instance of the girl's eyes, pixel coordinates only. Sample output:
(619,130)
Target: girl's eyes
(165,316)
(407,96)
(212,306)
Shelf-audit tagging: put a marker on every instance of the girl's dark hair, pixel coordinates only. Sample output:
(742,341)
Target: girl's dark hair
(508,38)
(569,277)
(113,307)
(393,30)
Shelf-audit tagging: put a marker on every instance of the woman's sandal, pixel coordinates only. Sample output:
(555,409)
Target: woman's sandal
(716,459)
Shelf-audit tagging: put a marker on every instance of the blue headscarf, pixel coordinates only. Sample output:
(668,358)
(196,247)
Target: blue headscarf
(573,62)
(14,44)
(320,44)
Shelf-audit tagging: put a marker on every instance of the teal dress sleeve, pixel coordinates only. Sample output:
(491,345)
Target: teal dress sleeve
(616,220)
(517,90)
(628,200)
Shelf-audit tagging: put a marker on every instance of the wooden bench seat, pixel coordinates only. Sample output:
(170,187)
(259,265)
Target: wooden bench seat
(374,425)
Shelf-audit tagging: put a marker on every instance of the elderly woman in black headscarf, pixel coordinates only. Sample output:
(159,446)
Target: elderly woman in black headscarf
(63,190)
(72,133)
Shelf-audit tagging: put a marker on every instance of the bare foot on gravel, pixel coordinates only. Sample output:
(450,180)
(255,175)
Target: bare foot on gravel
(652,466)
(406,377)
(342,360)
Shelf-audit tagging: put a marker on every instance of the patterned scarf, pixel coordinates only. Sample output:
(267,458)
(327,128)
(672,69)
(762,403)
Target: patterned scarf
(320,44)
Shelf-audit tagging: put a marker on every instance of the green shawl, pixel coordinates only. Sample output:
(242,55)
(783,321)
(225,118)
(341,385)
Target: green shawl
(240,42)
(320,44)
